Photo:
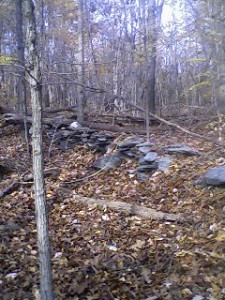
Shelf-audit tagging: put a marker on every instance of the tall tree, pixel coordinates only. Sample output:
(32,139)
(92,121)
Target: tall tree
(40,201)
(21,84)
(80,65)
(21,87)
(150,41)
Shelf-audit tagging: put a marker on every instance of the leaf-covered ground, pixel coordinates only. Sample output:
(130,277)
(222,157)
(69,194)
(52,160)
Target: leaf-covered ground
(99,253)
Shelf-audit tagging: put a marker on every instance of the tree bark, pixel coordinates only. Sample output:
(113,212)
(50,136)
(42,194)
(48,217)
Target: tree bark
(155,12)
(20,53)
(21,85)
(80,66)
(40,201)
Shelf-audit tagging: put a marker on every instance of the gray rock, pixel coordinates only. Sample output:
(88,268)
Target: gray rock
(164,162)
(100,141)
(141,161)
(181,149)
(144,149)
(147,168)
(124,149)
(146,144)
(108,162)
(130,154)
(130,142)
(150,156)
(65,133)
(69,143)
(142,176)
(213,177)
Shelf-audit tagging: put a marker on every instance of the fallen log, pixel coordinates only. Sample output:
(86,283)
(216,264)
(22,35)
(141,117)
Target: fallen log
(140,211)
(9,189)
(9,228)
(180,128)
(113,128)
(54,172)
(12,119)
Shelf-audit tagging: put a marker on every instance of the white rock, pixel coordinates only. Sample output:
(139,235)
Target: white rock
(75,125)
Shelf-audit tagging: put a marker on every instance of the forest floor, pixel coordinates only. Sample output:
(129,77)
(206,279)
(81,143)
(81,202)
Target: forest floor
(99,253)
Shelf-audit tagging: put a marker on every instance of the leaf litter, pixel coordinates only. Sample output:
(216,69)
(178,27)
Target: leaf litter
(101,253)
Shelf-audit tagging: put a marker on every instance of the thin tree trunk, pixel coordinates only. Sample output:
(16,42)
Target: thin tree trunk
(154,20)
(80,67)
(21,85)
(40,201)
(20,53)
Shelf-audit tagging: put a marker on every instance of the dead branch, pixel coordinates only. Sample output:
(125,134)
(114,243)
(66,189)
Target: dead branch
(57,122)
(113,128)
(9,189)
(175,125)
(140,211)
(7,229)
(54,172)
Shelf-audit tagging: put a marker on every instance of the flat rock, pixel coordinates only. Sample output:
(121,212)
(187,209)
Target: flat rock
(142,176)
(147,168)
(181,149)
(164,162)
(144,149)
(146,144)
(124,149)
(130,153)
(66,133)
(130,142)
(108,162)
(213,177)
(148,158)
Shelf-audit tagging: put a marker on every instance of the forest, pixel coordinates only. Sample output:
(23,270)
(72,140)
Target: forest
(112,160)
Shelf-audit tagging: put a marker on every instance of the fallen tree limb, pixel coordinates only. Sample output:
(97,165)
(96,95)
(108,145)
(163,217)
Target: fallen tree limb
(12,119)
(140,211)
(17,119)
(180,128)
(54,172)
(113,128)
(27,179)
(165,121)
(9,189)
(6,229)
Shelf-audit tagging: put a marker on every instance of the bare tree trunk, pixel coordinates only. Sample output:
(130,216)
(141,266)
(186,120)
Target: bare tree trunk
(21,85)
(154,16)
(40,201)
(20,53)
(80,66)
